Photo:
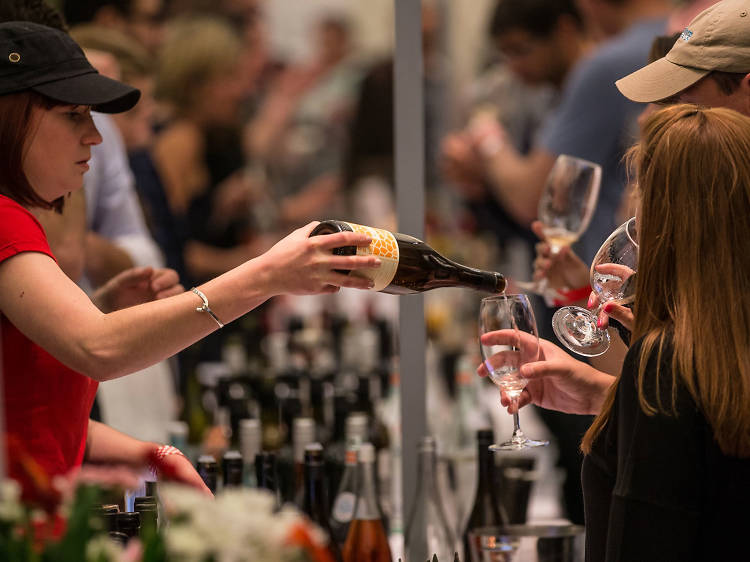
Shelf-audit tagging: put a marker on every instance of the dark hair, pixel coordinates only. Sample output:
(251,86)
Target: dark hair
(84,11)
(538,17)
(15,128)
(661,45)
(37,11)
(728,82)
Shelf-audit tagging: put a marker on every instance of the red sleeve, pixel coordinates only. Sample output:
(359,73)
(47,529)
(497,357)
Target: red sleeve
(20,231)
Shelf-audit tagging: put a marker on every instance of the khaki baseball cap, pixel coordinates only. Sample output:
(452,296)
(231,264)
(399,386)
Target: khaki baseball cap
(717,39)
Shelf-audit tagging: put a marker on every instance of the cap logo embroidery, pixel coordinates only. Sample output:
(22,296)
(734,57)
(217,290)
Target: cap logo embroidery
(14,57)
(686,34)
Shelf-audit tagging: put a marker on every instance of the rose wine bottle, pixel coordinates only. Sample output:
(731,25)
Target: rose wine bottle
(408,265)
(366,540)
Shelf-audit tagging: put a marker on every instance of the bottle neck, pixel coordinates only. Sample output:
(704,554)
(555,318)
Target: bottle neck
(485,281)
(367,504)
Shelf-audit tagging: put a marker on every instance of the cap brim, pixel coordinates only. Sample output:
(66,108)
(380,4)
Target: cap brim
(101,93)
(659,80)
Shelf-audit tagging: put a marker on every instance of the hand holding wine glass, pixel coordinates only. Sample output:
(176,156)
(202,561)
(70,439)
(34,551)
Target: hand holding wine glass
(613,280)
(510,313)
(565,208)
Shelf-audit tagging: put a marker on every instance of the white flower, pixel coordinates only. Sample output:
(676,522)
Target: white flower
(11,510)
(238,525)
(101,547)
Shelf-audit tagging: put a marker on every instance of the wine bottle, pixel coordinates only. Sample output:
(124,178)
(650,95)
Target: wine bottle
(266,474)
(315,498)
(409,265)
(208,469)
(366,539)
(346,495)
(250,445)
(232,467)
(428,531)
(487,511)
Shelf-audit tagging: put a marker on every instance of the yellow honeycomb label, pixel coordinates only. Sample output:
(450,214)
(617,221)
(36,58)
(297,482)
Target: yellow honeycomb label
(385,247)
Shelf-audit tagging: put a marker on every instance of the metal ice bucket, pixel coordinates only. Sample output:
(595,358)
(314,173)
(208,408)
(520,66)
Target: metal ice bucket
(527,543)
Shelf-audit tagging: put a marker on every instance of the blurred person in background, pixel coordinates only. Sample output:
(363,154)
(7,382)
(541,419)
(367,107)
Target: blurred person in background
(368,169)
(540,42)
(137,68)
(142,19)
(299,131)
(592,122)
(199,153)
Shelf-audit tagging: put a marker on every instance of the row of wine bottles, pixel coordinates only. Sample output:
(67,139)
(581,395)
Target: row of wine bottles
(353,517)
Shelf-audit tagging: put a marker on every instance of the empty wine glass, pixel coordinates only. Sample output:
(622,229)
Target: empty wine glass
(513,315)
(613,280)
(565,208)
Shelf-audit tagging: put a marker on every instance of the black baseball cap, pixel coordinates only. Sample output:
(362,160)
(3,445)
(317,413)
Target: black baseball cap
(48,61)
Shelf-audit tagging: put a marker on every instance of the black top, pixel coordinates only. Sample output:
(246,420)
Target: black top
(658,488)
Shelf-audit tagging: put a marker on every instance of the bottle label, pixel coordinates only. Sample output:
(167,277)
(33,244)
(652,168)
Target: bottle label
(343,507)
(383,246)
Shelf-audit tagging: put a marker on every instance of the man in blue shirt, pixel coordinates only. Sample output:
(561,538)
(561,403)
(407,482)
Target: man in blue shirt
(593,120)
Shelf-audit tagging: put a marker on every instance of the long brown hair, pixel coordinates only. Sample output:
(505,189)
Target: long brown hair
(16,128)
(693,283)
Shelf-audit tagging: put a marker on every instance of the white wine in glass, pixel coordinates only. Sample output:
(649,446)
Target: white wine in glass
(513,318)
(566,206)
(613,280)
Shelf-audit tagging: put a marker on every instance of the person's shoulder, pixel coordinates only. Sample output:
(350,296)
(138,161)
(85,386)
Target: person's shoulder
(15,213)
(624,53)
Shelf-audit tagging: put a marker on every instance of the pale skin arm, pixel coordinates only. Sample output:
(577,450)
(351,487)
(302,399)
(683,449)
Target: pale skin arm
(517,180)
(107,445)
(40,300)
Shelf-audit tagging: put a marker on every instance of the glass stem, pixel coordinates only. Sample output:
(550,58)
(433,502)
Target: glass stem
(517,433)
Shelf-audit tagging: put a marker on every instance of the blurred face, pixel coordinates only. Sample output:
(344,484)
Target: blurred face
(535,60)
(222,95)
(58,149)
(147,23)
(136,125)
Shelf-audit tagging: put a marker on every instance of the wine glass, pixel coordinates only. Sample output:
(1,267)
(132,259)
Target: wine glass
(513,314)
(613,280)
(565,208)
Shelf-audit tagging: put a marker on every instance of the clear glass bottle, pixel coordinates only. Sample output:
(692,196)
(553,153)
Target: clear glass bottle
(427,531)
(342,511)
(303,434)
(366,540)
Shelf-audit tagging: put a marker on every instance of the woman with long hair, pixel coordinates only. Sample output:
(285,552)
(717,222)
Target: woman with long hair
(667,468)
(56,345)
(666,474)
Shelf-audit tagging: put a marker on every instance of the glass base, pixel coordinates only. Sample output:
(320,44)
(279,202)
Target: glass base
(576,329)
(517,445)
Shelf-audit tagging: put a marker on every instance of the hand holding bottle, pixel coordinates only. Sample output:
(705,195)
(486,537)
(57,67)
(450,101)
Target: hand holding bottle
(302,265)
(556,381)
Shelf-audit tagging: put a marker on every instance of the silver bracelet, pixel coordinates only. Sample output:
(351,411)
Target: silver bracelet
(205,307)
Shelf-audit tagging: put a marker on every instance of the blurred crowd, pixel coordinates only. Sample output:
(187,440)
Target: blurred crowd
(231,146)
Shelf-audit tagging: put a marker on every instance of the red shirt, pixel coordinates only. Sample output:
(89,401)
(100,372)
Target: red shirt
(47,405)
